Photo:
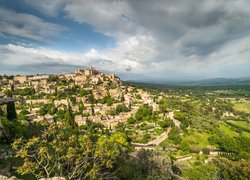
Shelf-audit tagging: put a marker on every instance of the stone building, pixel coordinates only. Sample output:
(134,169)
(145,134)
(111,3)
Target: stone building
(91,71)
(21,79)
(80,120)
(39,77)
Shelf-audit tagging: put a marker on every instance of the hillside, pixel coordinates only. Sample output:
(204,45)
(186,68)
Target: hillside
(88,125)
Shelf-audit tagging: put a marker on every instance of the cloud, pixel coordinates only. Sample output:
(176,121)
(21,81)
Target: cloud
(178,28)
(27,26)
(46,7)
(194,27)
(108,17)
(17,58)
(161,39)
(231,61)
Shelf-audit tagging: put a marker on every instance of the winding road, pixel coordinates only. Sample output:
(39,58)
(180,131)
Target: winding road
(151,144)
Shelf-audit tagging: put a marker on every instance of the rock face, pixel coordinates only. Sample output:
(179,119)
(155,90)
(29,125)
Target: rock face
(6,178)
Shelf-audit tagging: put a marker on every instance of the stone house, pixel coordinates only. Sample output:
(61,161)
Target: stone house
(39,77)
(21,79)
(61,101)
(91,71)
(80,120)
(80,78)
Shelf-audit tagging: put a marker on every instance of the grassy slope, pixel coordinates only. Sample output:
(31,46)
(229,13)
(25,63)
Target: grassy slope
(241,124)
(197,139)
(226,129)
(247,134)
(245,107)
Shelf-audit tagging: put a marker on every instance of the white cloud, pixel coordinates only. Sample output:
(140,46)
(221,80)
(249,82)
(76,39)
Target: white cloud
(19,56)
(47,7)
(108,17)
(27,26)
(123,60)
(160,39)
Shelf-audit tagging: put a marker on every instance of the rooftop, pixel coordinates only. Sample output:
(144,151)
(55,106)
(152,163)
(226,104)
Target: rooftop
(7,100)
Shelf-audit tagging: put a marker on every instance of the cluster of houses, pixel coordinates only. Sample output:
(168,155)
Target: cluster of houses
(90,79)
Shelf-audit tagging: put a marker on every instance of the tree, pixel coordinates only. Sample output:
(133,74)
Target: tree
(111,112)
(1,112)
(174,136)
(69,118)
(206,151)
(107,100)
(197,172)
(121,108)
(165,123)
(84,92)
(91,99)
(144,113)
(81,106)
(11,111)
(148,165)
(122,98)
(184,146)
(48,109)
(164,108)
(231,169)
(92,109)
(60,152)
(56,90)
(12,88)
(8,93)
(60,114)
(131,120)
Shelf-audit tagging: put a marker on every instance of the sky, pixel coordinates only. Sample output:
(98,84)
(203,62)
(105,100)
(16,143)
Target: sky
(144,40)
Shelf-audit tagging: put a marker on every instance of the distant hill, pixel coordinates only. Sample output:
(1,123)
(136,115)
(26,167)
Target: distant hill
(215,83)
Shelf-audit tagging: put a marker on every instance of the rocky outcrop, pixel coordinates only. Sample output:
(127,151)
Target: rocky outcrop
(6,178)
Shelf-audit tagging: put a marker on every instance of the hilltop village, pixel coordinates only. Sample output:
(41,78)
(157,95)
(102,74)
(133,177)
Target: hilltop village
(93,96)
(90,125)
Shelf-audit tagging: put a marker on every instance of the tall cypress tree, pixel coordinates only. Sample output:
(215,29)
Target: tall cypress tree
(11,111)
(69,118)
(1,111)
